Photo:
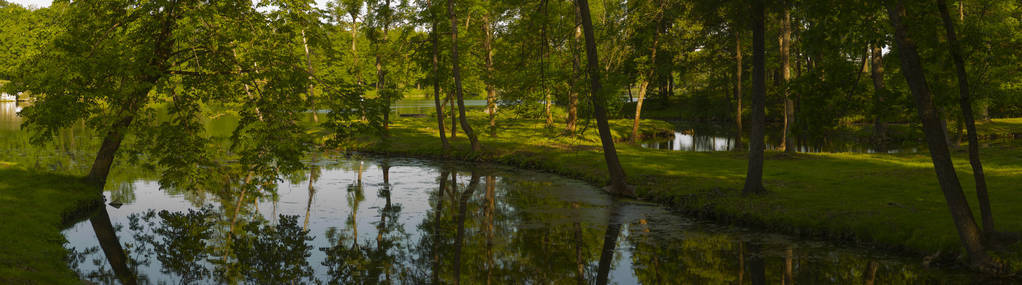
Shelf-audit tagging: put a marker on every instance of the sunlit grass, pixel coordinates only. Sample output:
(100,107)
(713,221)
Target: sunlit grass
(32,205)
(892,200)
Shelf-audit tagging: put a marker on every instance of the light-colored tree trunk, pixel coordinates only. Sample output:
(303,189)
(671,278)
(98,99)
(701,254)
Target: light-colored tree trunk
(457,78)
(789,106)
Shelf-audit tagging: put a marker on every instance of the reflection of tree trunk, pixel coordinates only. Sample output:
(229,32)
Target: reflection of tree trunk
(609,243)
(871,279)
(436,225)
(607,253)
(912,69)
(462,208)
(755,265)
(741,262)
(107,237)
(788,256)
(491,204)
(579,243)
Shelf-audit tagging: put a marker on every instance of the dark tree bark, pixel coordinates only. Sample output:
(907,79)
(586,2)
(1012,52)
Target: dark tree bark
(436,225)
(755,264)
(434,38)
(381,74)
(609,243)
(617,173)
(754,176)
(457,78)
(965,103)
(879,94)
(912,69)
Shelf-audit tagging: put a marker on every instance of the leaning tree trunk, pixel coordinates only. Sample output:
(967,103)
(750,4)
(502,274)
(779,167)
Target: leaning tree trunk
(457,78)
(754,176)
(965,103)
(617,174)
(434,39)
(912,69)
(107,236)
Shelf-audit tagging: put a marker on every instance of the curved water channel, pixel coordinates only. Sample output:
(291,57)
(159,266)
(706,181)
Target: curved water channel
(356,220)
(370,220)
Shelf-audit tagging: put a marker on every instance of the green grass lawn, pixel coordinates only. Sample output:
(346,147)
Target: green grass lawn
(35,207)
(888,200)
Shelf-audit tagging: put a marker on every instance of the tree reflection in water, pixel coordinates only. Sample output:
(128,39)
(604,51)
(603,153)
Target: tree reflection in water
(428,224)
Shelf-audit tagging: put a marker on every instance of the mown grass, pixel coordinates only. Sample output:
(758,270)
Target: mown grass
(887,200)
(34,208)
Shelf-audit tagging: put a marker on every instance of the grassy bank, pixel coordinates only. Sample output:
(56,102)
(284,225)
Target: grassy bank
(887,200)
(35,207)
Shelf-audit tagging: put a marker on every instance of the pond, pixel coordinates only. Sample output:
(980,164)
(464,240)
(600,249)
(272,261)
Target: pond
(354,219)
(372,220)
(704,137)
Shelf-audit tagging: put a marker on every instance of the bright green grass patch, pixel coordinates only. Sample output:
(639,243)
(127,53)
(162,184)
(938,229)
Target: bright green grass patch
(33,206)
(891,200)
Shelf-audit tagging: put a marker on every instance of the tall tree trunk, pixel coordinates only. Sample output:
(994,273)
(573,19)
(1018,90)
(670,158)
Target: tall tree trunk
(609,243)
(434,39)
(879,94)
(381,74)
(107,237)
(491,93)
(789,106)
(457,78)
(649,74)
(548,101)
(454,112)
(310,97)
(738,89)
(354,48)
(617,173)
(912,69)
(638,110)
(754,176)
(437,233)
(576,69)
(965,103)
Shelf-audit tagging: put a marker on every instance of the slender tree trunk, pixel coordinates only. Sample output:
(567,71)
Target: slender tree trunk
(789,106)
(754,176)
(454,113)
(617,173)
(457,78)
(548,101)
(738,89)
(912,69)
(436,225)
(491,93)
(879,94)
(965,103)
(638,110)
(576,69)
(609,243)
(434,39)
(354,48)
(310,97)
(649,75)
(381,73)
